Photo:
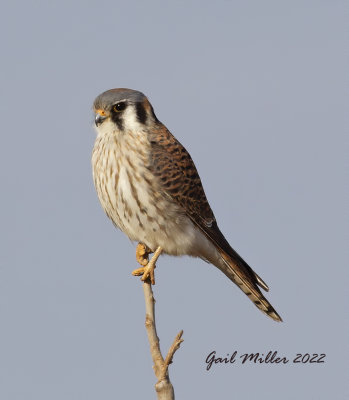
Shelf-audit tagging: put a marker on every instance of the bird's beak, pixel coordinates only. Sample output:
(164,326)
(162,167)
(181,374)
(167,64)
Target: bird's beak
(100,117)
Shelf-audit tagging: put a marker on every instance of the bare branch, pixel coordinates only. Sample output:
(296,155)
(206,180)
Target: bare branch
(168,360)
(163,387)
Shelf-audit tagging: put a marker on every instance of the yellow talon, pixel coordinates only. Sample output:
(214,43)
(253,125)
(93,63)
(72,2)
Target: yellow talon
(142,254)
(138,271)
(149,272)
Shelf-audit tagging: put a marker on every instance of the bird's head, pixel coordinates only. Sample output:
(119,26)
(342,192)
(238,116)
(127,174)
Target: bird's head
(123,109)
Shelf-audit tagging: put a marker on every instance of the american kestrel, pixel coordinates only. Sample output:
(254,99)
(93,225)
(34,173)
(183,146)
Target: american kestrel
(149,187)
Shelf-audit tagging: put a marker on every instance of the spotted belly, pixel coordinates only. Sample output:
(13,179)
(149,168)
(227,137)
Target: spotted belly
(145,215)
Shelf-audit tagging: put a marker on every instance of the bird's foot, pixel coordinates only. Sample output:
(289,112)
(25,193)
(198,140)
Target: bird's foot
(142,257)
(142,254)
(147,271)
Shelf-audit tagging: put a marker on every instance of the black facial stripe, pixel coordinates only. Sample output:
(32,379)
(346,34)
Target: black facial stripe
(141,113)
(153,113)
(117,119)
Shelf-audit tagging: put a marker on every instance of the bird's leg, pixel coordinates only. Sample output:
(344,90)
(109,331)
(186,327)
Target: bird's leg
(148,270)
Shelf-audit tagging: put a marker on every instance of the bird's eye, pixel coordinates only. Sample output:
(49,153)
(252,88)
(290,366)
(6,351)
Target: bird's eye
(119,106)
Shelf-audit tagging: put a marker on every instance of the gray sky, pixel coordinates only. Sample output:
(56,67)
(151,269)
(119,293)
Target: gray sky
(255,91)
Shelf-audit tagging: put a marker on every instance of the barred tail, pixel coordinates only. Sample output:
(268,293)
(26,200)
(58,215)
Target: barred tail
(247,281)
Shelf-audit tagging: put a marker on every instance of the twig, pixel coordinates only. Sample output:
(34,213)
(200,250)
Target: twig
(163,386)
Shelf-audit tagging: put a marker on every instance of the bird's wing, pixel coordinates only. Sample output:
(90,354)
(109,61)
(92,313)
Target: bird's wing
(178,177)
(177,174)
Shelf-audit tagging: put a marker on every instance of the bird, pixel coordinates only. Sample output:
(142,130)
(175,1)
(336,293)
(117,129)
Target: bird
(149,187)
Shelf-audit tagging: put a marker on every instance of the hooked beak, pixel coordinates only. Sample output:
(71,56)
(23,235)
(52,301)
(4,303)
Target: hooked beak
(99,119)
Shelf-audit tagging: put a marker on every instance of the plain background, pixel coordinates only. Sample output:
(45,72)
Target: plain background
(255,91)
